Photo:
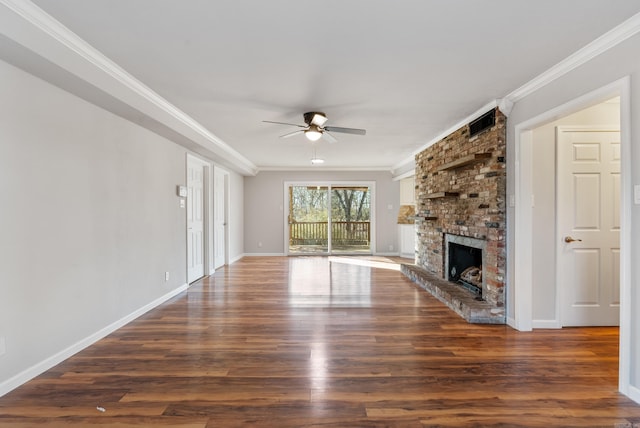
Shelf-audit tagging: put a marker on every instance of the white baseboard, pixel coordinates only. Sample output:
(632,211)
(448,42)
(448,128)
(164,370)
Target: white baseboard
(235,259)
(266,254)
(56,359)
(549,324)
(511,322)
(634,394)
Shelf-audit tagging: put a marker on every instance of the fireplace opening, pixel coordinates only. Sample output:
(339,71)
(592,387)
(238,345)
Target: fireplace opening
(465,267)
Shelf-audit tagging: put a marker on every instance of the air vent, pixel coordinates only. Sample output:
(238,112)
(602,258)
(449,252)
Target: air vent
(482,123)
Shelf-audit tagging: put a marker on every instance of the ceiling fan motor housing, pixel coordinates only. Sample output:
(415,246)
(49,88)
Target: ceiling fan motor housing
(309,118)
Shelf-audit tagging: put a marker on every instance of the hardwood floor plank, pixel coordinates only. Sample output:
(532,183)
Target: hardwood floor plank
(315,341)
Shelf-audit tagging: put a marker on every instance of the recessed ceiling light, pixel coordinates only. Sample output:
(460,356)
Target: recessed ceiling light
(316,161)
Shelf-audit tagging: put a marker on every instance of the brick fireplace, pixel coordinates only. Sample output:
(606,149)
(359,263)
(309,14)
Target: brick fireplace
(460,198)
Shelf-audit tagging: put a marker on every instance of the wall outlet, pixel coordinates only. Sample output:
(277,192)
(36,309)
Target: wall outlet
(3,346)
(259,244)
(390,247)
(166,276)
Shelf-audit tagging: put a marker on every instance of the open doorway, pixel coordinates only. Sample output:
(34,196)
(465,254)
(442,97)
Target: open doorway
(576,188)
(523,201)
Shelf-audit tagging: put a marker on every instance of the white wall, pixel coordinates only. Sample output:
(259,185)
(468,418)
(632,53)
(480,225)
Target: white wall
(605,114)
(90,221)
(264,204)
(614,64)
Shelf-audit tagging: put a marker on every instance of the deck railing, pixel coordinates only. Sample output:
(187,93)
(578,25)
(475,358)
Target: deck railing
(342,233)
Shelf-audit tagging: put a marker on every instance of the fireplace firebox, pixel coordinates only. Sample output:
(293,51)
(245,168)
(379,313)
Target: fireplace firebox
(464,262)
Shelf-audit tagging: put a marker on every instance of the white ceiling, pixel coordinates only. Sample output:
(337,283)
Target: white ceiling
(405,70)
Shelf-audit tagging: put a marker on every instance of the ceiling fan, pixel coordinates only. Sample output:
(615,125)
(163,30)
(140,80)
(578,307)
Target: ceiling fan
(315,129)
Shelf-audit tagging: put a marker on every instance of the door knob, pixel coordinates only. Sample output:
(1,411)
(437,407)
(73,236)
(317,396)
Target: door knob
(569,239)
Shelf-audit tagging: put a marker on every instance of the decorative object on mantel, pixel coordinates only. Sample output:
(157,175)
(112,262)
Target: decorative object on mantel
(407,214)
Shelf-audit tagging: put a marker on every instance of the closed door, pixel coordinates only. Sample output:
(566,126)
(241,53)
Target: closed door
(588,228)
(220,217)
(195,219)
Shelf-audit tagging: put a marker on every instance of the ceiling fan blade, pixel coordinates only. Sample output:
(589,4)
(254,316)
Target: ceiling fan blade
(284,123)
(330,138)
(291,134)
(355,131)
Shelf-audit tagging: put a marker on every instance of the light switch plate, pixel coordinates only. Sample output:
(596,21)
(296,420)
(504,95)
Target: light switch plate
(636,194)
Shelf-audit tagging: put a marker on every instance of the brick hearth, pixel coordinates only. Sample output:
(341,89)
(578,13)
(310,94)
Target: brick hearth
(455,297)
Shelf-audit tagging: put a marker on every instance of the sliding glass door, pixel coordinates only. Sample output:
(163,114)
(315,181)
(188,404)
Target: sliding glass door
(325,218)
(350,219)
(308,219)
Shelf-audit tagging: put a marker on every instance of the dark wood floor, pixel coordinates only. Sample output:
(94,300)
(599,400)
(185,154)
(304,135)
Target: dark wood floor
(298,342)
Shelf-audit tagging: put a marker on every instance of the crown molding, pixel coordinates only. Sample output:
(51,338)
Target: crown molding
(404,175)
(617,35)
(403,163)
(130,90)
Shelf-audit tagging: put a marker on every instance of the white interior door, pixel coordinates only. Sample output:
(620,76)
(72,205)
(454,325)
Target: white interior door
(195,219)
(588,230)
(219,217)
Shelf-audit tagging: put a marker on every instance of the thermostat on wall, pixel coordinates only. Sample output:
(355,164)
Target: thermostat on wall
(182,191)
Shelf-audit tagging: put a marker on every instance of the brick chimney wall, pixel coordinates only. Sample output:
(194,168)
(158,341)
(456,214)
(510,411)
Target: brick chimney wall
(479,208)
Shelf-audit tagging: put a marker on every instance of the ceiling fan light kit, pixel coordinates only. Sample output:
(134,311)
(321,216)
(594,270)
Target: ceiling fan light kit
(313,133)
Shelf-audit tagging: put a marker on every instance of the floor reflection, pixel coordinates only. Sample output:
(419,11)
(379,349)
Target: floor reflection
(376,262)
(333,281)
